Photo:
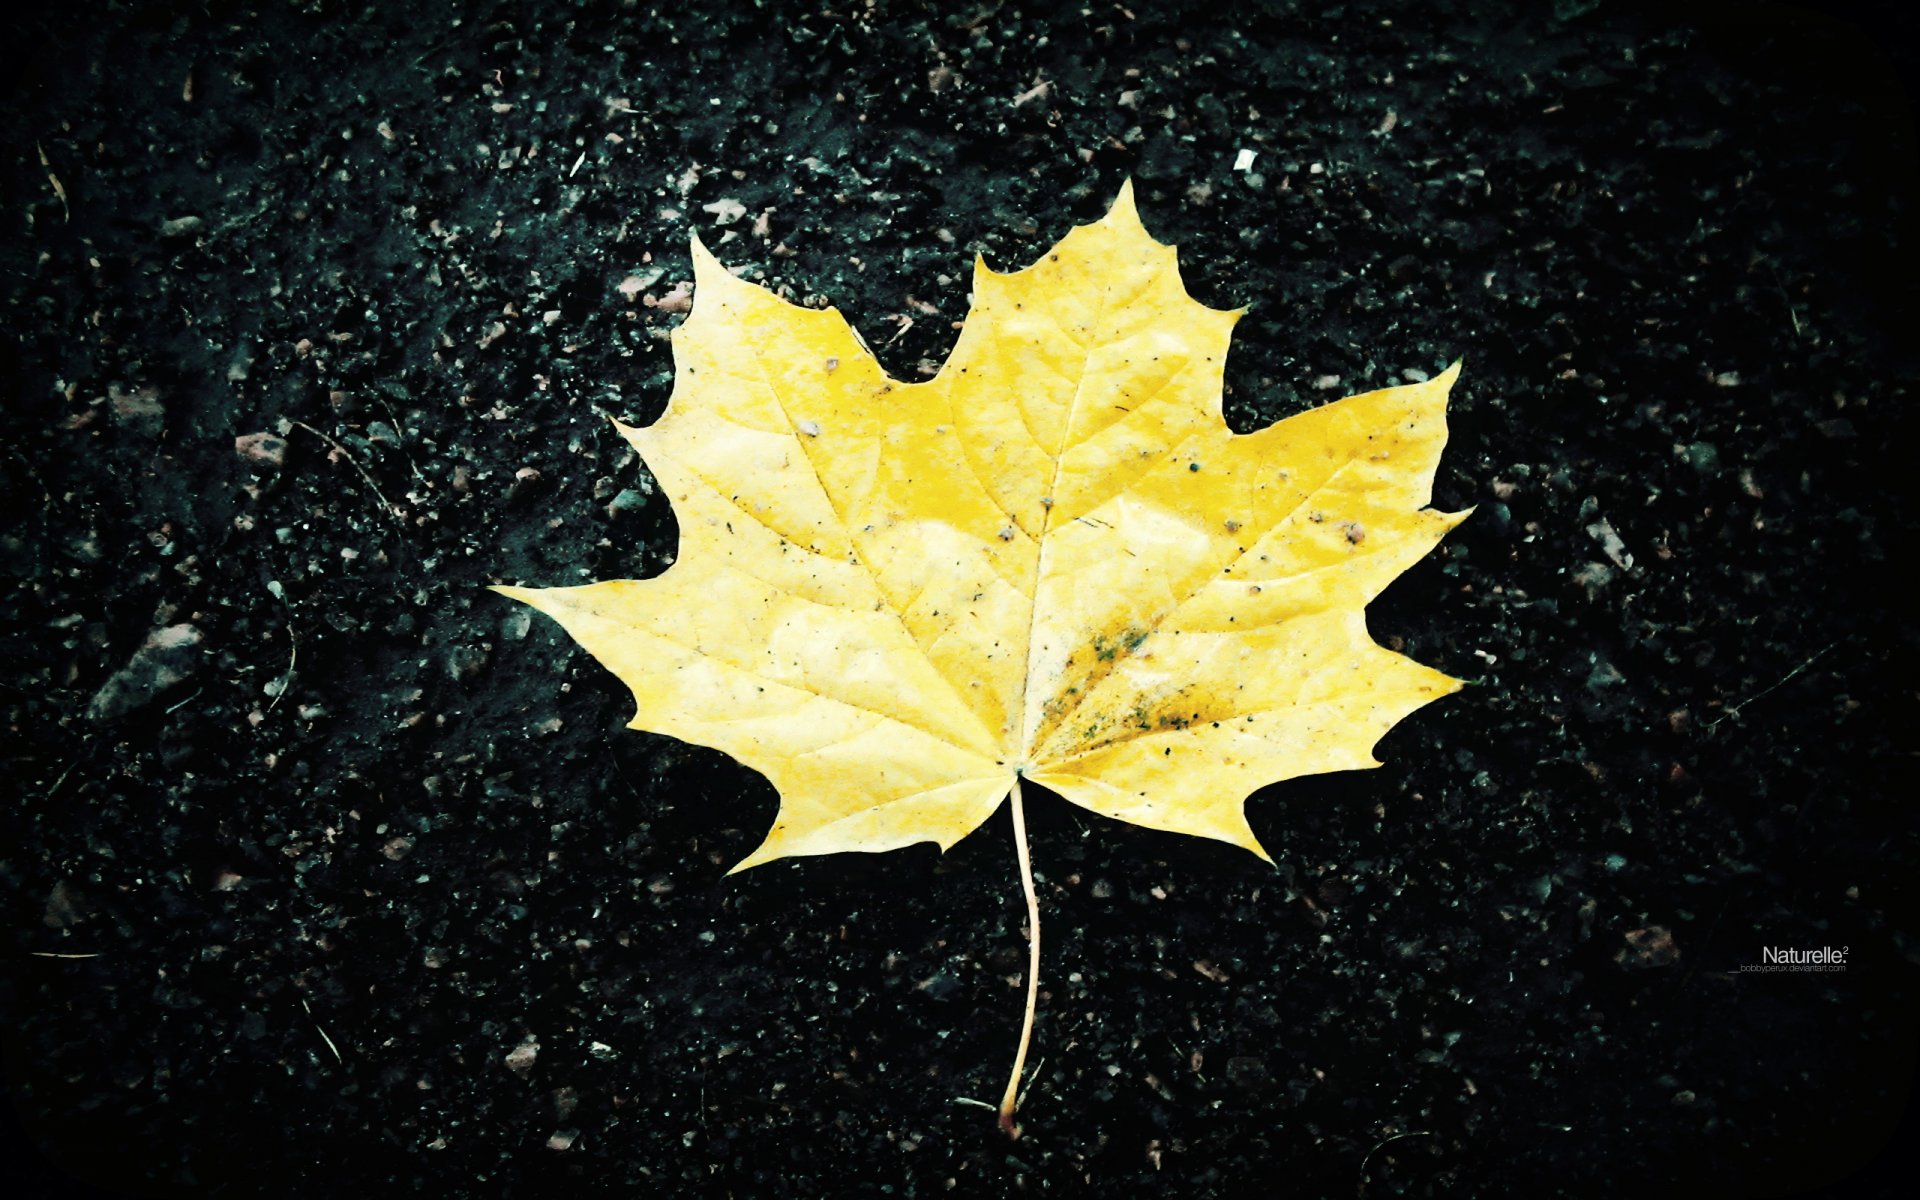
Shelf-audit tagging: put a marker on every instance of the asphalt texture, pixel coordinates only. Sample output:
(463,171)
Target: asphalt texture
(328,872)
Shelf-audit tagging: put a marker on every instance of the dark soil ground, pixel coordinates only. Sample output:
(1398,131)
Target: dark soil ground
(329,873)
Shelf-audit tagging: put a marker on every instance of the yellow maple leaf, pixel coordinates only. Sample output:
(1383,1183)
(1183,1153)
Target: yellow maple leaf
(1052,562)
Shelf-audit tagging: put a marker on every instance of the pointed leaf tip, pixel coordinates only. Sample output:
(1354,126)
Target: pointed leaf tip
(704,263)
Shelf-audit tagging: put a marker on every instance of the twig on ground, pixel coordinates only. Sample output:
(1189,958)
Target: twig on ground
(320,1031)
(1788,301)
(1361,1191)
(1733,710)
(330,440)
(293,648)
(400,432)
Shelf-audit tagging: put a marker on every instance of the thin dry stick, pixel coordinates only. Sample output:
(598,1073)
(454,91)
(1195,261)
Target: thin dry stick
(293,651)
(400,432)
(346,454)
(1733,710)
(320,1031)
(1011,1100)
(1361,1191)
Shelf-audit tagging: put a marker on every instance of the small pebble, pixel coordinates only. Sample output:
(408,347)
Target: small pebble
(627,501)
(520,1059)
(139,410)
(167,657)
(526,481)
(264,449)
(1705,457)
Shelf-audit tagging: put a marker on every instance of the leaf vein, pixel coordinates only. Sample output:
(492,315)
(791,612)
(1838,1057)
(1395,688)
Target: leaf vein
(953,689)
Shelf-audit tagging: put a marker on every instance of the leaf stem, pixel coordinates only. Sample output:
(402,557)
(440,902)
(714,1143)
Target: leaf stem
(1011,1100)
